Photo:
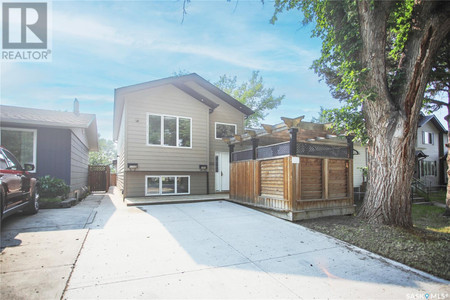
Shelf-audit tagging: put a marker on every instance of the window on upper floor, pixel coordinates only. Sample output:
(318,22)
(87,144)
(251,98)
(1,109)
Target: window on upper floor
(427,138)
(169,131)
(224,130)
(20,142)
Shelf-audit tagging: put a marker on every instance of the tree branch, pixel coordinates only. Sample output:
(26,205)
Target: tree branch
(437,102)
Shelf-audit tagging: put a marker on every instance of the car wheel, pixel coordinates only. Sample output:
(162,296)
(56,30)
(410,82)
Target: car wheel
(1,207)
(33,204)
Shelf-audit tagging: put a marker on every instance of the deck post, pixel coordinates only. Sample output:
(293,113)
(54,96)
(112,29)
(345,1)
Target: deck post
(231,151)
(254,146)
(350,146)
(293,141)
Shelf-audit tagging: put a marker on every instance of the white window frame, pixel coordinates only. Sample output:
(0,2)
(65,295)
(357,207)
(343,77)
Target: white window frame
(426,138)
(215,129)
(162,131)
(160,185)
(428,168)
(34,131)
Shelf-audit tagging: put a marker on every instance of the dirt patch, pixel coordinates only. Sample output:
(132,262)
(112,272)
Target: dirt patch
(424,247)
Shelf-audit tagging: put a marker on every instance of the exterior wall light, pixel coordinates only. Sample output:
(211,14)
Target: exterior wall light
(133,166)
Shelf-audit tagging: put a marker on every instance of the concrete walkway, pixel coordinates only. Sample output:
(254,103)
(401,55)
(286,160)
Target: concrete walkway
(224,250)
(38,252)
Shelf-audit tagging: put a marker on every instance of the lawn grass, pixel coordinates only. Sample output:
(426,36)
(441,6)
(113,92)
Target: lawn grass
(424,247)
(438,196)
(430,218)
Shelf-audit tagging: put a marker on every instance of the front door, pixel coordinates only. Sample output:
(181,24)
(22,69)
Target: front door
(222,165)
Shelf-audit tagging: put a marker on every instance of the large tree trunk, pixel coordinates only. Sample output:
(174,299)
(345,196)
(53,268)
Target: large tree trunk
(392,116)
(447,198)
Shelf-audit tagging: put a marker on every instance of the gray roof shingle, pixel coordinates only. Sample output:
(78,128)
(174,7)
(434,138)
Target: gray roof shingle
(51,118)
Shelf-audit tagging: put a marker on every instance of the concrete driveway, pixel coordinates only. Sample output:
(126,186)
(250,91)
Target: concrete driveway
(197,250)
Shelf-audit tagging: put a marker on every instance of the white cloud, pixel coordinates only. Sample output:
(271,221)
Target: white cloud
(241,48)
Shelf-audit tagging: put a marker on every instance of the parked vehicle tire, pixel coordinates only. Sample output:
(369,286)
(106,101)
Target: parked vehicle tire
(33,204)
(1,207)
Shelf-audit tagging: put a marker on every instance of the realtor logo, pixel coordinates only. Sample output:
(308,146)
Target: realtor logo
(25,26)
(31,30)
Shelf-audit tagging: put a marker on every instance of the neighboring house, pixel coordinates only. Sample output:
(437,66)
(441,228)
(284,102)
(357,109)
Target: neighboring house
(360,160)
(430,162)
(169,134)
(57,143)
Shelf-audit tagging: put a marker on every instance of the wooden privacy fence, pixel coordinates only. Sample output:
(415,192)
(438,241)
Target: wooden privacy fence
(294,187)
(99,178)
(294,170)
(113,179)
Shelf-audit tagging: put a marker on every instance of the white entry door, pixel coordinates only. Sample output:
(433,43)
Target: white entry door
(222,165)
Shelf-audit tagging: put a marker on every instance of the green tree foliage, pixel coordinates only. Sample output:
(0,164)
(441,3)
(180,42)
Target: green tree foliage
(376,57)
(251,93)
(345,120)
(106,153)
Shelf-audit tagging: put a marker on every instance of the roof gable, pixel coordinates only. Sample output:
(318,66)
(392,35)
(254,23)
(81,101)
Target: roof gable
(180,83)
(434,120)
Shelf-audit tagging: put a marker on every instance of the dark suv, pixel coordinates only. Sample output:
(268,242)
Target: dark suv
(18,190)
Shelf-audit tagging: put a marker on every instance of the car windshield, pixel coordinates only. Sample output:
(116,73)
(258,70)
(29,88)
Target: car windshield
(12,162)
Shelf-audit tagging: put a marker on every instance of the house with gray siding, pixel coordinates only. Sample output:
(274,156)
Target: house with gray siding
(169,136)
(56,142)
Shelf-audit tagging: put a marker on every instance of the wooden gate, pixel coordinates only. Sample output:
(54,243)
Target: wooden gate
(99,178)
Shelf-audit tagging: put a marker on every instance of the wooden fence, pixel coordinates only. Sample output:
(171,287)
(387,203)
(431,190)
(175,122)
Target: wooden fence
(99,178)
(294,187)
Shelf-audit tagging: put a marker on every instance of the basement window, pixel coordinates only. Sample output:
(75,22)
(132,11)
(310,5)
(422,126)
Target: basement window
(167,185)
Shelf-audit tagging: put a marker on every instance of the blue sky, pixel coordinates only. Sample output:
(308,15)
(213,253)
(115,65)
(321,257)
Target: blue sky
(102,45)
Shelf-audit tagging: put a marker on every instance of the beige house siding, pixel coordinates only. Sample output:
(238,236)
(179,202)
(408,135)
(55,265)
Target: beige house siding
(136,182)
(121,155)
(165,100)
(224,113)
(160,160)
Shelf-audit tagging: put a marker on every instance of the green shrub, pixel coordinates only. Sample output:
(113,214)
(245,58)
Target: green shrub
(50,187)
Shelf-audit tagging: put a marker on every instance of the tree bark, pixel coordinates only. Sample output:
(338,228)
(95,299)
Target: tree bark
(447,198)
(392,116)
